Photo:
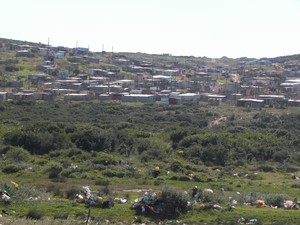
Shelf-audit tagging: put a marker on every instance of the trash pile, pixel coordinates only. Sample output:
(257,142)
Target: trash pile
(90,200)
(147,204)
(6,191)
(166,204)
(205,199)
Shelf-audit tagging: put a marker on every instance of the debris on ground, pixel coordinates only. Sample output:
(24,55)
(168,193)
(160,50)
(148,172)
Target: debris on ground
(166,204)
(260,203)
(90,200)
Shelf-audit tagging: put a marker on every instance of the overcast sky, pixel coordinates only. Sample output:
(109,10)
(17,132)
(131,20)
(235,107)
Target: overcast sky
(212,28)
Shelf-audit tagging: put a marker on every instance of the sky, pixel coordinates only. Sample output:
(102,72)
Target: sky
(211,28)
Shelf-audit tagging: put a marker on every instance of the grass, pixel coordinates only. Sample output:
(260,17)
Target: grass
(279,182)
(263,215)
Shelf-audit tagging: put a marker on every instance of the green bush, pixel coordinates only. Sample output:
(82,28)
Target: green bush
(207,197)
(92,139)
(11,169)
(24,193)
(71,193)
(266,168)
(106,190)
(174,177)
(102,182)
(113,173)
(175,202)
(295,186)
(184,178)
(61,216)
(56,190)
(54,169)
(158,181)
(106,159)
(276,199)
(177,166)
(34,215)
(18,154)
(36,142)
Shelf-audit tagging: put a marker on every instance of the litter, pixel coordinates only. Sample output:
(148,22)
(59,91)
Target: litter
(121,200)
(86,197)
(79,196)
(252,220)
(14,184)
(234,202)
(217,206)
(5,197)
(260,203)
(148,203)
(231,208)
(208,190)
(288,204)
(86,191)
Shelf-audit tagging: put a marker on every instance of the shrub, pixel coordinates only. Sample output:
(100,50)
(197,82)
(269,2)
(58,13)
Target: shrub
(208,197)
(102,182)
(55,190)
(177,166)
(197,178)
(24,193)
(59,179)
(34,214)
(276,199)
(175,202)
(106,159)
(106,191)
(174,177)
(67,173)
(291,169)
(71,193)
(11,169)
(61,216)
(54,169)
(184,178)
(74,152)
(36,142)
(18,154)
(295,186)
(113,173)
(80,215)
(158,181)
(2,108)
(266,168)
(91,138)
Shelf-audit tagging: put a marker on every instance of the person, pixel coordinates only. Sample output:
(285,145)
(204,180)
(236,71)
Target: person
(222,190)
(195,191)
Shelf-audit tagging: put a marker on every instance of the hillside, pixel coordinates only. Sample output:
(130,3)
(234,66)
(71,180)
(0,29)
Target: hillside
(63,160)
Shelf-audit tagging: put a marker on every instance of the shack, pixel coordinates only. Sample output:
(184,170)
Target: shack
(138,98)
(3,96)
(250,103)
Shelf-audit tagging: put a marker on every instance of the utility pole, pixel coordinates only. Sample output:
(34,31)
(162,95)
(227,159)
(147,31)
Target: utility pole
(76,48)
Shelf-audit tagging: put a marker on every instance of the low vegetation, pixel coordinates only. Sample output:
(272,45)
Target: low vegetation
(52,150)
